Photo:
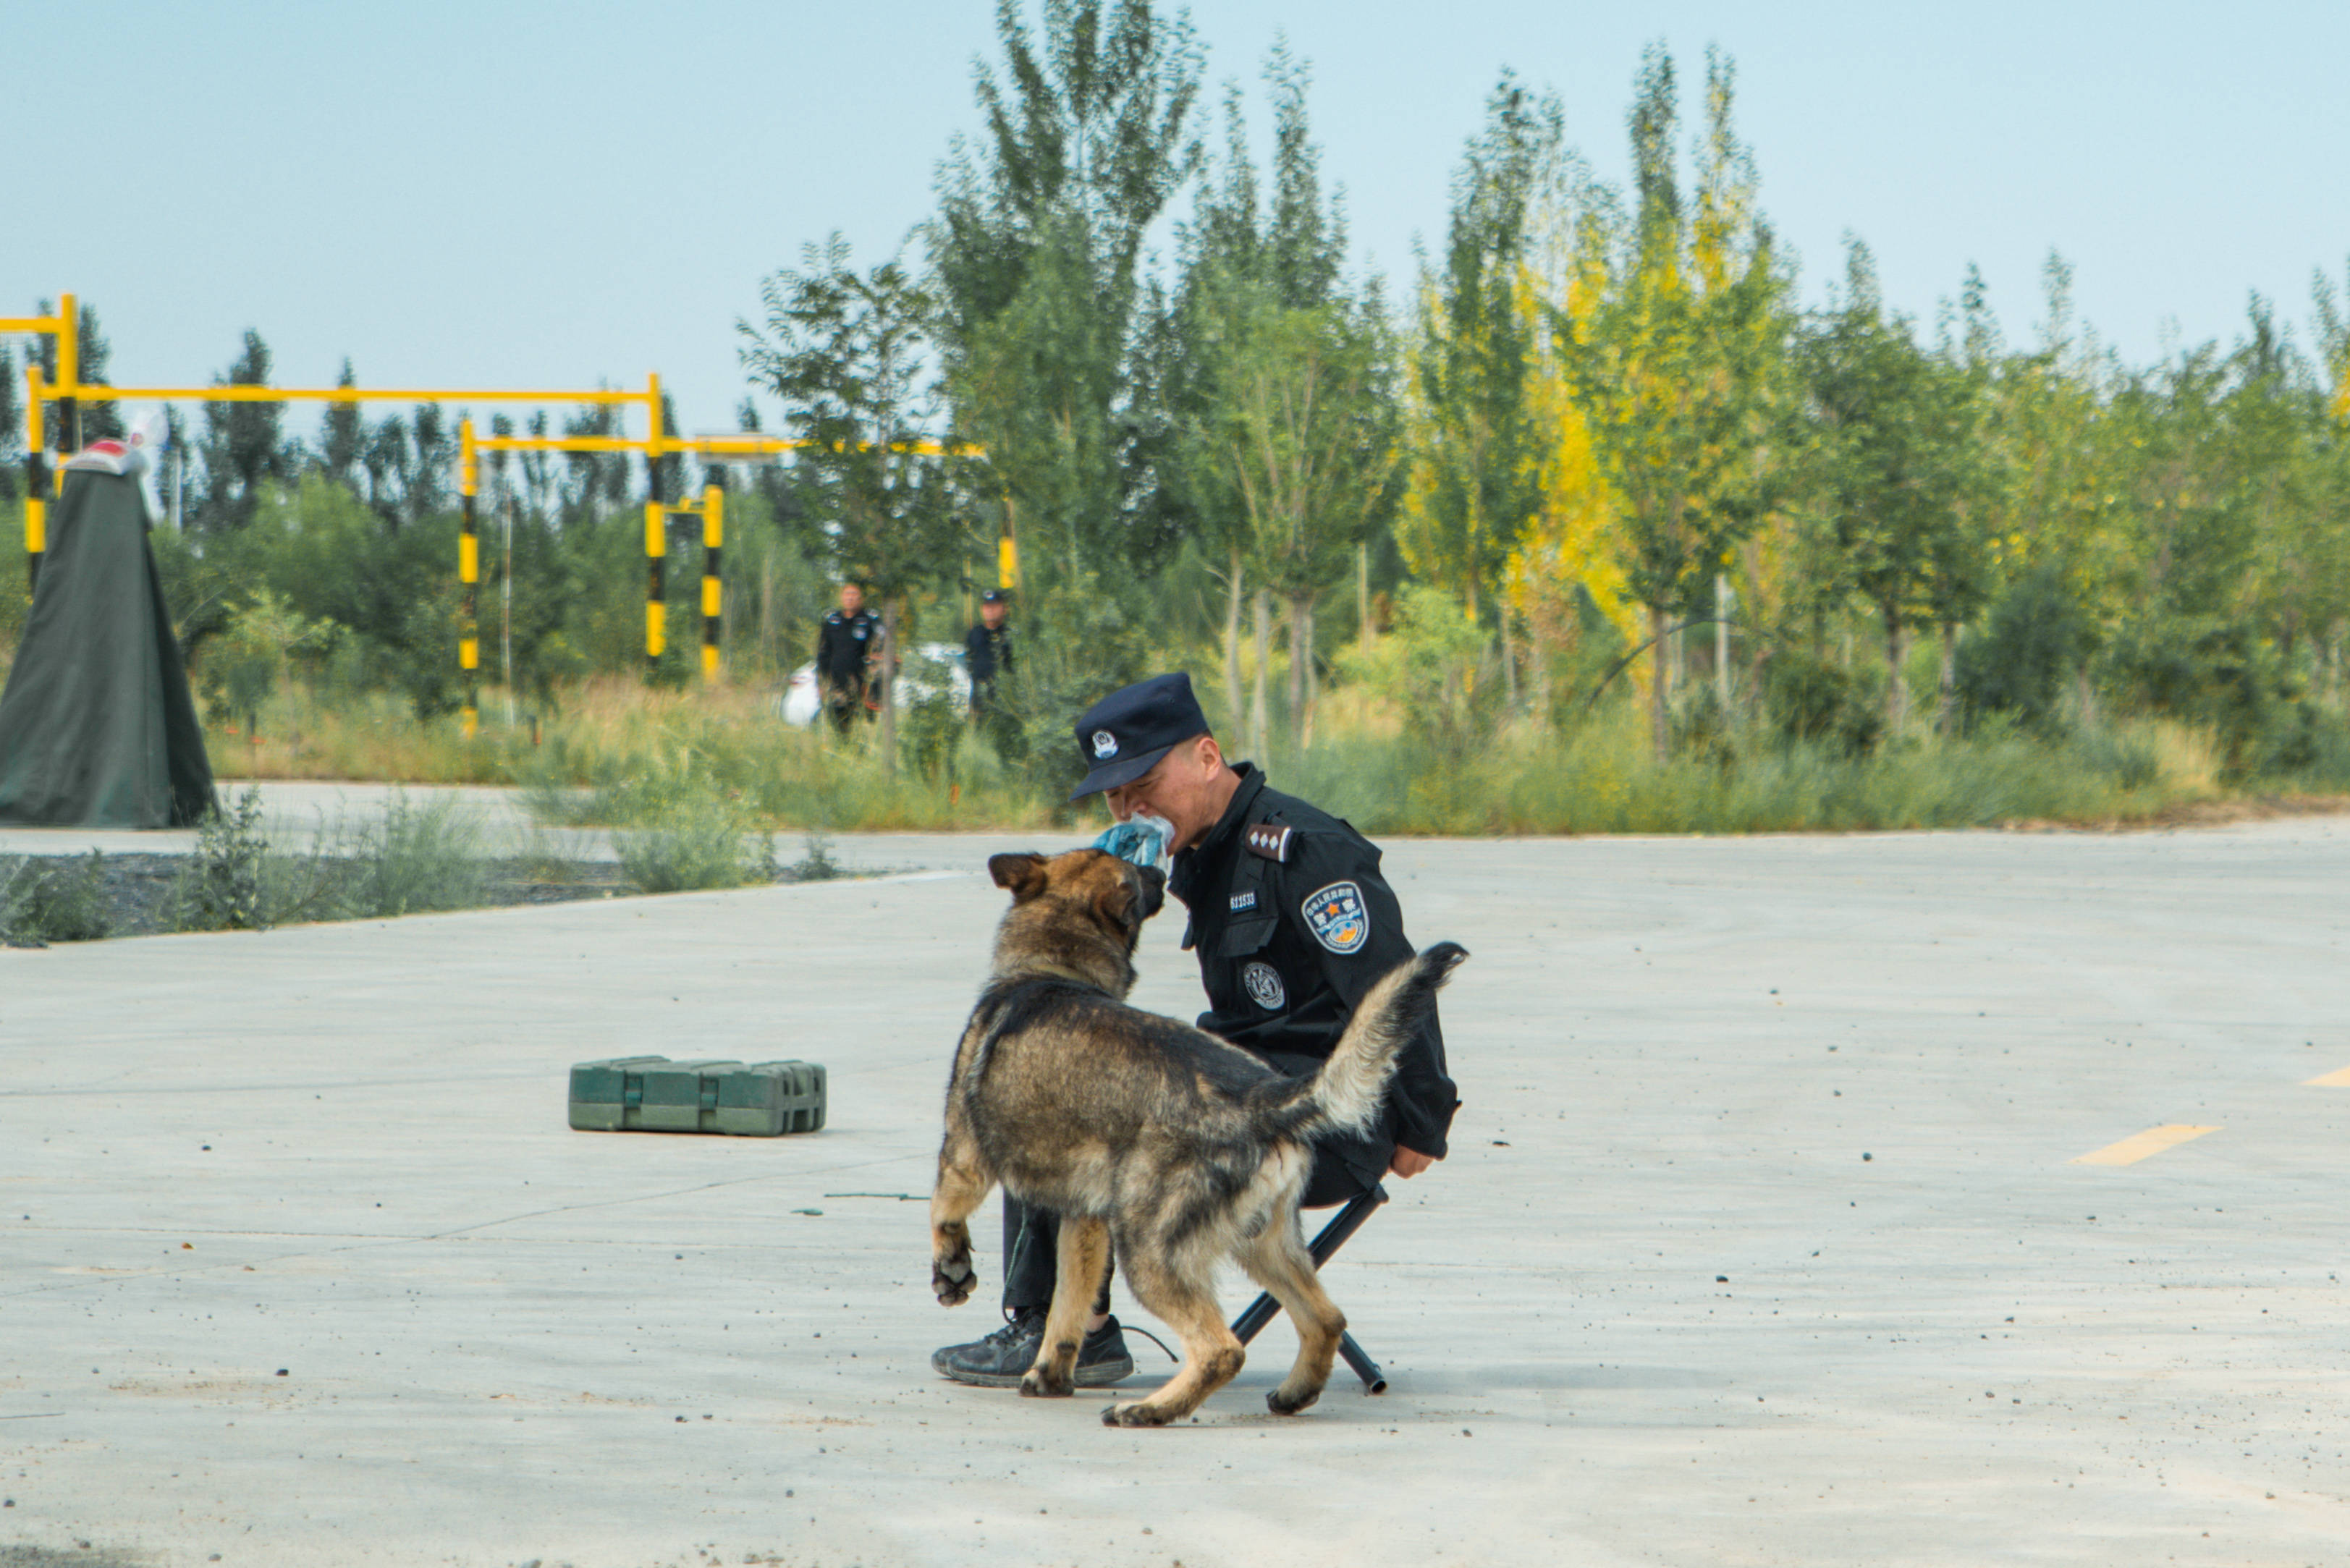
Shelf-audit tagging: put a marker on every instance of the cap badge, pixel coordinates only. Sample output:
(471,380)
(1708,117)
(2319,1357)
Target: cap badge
(1105,744)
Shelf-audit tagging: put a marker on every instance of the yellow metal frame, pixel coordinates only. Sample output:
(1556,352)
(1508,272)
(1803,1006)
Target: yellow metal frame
(36,506)
(67,390)
(657,512)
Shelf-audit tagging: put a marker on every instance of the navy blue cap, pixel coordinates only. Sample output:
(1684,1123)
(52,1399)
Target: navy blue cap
(994,596)
(1122,737)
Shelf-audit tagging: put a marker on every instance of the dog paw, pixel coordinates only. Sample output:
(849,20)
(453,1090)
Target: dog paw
(1282,1404)
(1039,1384)
(952,1277)
(1133,1416)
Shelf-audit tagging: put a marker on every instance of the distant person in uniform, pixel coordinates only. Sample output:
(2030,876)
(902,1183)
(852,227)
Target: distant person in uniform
(1292,923)
(846,647)
(987,650)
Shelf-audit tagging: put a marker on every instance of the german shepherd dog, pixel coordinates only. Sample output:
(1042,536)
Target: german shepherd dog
(1176,1146)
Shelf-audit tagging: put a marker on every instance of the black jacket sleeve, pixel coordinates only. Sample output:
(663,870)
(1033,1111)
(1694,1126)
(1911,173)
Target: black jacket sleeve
(1324,868)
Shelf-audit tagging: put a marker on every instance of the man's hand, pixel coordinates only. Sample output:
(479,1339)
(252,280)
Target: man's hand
(1409,1162)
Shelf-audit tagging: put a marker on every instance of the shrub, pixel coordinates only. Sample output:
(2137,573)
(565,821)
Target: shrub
(935,723)
(700,838)
(1808,700)
(816,863)
(221,886)
(2131,760)
(51,902)
(415,859)
(2219,674)
(1435,666)
(2035,636)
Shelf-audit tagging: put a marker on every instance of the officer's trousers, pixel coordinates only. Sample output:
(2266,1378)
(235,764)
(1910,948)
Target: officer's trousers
(1032,1237)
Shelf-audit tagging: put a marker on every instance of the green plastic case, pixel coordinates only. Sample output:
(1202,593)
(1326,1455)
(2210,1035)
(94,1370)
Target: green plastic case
(653,1093)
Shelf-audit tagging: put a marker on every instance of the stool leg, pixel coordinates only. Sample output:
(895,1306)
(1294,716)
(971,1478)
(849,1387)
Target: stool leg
(1374,1380)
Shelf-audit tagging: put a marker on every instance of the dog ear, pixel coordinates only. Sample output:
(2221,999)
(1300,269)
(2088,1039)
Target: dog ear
(1023,874)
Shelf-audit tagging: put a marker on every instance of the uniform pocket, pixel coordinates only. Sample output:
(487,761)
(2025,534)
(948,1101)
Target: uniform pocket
(1244,937)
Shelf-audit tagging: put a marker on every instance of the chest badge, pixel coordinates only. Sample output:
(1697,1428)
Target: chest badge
(1337,919)
(1263,982)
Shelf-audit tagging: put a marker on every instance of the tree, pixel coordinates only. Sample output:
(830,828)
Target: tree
(1304,432)
(100,420)
(1034,249)
(344,435)
(594,482)
(1475,441)
(12,424)
(1679,358)
(385,457)
(845,351)
(244,443)
(1897,439)
(1279,386)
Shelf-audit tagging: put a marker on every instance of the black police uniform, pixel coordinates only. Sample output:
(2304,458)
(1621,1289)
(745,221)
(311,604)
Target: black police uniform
(987,655)
(841,647)
(1294,924)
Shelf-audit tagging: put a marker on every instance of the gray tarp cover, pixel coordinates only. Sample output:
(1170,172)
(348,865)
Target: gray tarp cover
(96,729)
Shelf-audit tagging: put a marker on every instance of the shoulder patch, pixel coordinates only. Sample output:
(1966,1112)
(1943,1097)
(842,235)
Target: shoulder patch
(1271,840)
(1338,917)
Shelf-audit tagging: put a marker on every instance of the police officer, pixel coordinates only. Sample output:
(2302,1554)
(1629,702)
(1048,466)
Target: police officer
(1293,924)
(987,649)
(845,645)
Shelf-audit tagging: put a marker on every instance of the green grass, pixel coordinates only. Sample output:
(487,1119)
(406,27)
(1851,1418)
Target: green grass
(1604,779)
(686,776)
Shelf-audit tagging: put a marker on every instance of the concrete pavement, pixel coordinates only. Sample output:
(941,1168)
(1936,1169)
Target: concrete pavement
(1761,1242)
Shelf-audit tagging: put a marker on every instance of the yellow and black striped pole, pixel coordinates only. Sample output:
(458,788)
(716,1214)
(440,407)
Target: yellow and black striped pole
(468,574)
(69,377)
(713,536)
(656,529)
(36,484)
(655,588)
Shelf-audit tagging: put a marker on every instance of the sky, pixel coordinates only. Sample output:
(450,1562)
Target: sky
(565,195)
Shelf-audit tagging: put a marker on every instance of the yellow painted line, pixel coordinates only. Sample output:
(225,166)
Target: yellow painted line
(2336,1080)
(2154,1140)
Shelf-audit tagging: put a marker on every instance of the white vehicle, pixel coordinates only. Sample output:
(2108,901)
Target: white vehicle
(801,702)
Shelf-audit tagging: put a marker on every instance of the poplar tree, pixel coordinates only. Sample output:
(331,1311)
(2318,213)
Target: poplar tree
(1476,439)
(1040,221)
(844,351)
(1896,444)
(1288,420)
(11,423)
(244,443)
(343,435)
(1681,358)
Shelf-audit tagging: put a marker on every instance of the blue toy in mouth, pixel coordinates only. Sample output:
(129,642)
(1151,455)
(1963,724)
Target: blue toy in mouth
(1142,840)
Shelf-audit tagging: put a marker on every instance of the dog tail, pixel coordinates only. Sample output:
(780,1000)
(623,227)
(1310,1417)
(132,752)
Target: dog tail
(1347,1095)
